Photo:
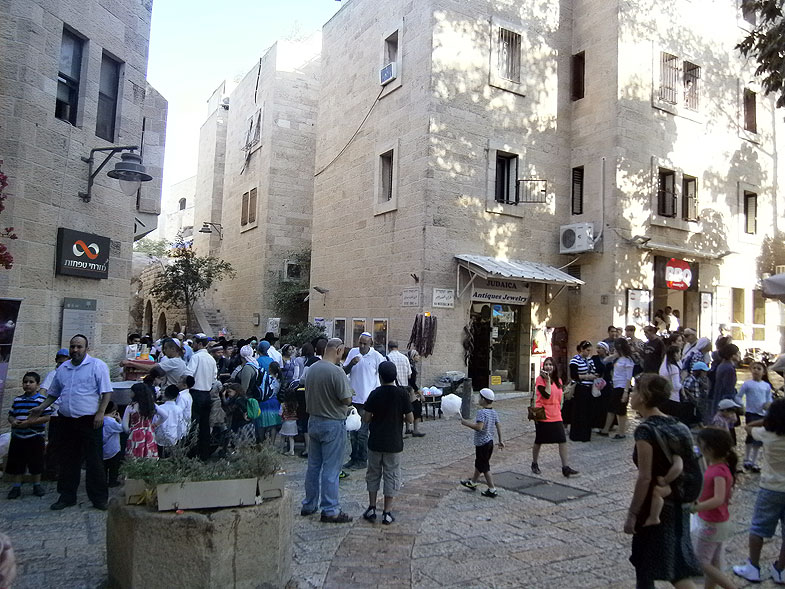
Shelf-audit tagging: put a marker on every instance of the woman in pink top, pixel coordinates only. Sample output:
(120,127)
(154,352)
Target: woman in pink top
(548,391)
(713,525)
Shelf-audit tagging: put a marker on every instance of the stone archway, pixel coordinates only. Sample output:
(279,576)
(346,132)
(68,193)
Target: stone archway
(162,325)
(147,323)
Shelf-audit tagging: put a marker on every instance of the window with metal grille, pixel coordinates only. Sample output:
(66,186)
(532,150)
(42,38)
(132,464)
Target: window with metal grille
(574,270)
(666,193)
(750,213)
(750,113)
(252,206)
(506,178)
(244,210)
(689,198)
(68,77)
(670,77)
(577,190)
(578,75)
(692,77)
(108,92)
(386,167)
(532,190)
(509,66)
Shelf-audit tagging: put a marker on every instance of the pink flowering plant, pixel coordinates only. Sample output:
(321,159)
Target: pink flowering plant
(6,259)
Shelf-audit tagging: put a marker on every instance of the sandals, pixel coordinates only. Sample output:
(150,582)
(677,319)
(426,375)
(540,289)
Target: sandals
(387,518)
(370,514)
(338,518)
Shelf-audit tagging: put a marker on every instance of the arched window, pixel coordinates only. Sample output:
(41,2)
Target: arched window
(182,204)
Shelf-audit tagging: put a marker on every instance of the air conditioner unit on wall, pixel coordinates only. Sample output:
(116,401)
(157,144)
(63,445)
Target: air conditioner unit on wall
(387,74)
(576,238)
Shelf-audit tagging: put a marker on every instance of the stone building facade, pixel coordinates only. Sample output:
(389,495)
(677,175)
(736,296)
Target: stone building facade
(485,128)
(255,181)
(73,78)
(177,211)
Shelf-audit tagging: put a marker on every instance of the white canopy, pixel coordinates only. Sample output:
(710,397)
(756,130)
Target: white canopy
(488,267)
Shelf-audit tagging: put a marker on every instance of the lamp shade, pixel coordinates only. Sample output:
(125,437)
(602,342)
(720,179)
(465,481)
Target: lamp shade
(130,169)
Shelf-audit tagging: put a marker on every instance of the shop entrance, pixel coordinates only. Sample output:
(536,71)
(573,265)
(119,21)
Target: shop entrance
(495,357)
(676,286)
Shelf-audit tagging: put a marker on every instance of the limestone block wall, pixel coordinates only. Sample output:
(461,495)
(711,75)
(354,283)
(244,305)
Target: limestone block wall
(42,157)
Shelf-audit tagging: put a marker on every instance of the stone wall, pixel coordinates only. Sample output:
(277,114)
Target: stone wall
(42,157)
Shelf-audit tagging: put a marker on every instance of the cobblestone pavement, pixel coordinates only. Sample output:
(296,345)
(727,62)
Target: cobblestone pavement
(444,536)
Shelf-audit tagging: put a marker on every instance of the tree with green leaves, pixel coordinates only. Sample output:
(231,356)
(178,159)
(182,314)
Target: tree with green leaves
(153,247)
(187,276)
(766,44)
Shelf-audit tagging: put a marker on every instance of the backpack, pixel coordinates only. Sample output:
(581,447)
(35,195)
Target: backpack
(689,484)
(255,386)
(252,409)
(290,387)
(264,388)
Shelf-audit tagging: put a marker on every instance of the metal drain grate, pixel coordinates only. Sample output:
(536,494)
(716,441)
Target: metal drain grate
(536,487)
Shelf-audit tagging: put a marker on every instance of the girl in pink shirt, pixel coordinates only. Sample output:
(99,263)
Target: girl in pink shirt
(548,391)
(714,526)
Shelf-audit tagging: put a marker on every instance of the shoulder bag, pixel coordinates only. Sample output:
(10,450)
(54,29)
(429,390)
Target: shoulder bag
(535,413)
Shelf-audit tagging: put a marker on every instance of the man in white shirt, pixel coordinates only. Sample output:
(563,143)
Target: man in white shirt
(272,352)
(204,371)
(403,370)
(362,366)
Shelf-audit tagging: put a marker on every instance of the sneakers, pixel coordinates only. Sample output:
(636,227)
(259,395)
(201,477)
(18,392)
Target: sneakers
(38,491)
(469,484)
(370,514)
(748,571)
(777,576)
(306,512)
(536,468)
(343,475)
(387,518)
(492,493)
(15,492)
(338,518)
(569,472)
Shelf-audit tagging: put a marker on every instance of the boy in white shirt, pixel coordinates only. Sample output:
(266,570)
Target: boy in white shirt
(169,429)
(185,402)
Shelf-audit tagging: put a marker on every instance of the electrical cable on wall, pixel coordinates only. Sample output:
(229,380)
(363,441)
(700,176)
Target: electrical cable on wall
(353,136)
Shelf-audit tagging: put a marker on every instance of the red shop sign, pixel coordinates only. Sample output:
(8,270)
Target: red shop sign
(678,275)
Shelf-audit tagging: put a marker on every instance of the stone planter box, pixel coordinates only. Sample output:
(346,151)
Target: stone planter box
(241,547)
(207,494)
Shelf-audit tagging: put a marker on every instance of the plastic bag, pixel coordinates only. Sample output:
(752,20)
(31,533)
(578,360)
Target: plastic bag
(596,389)
(451,405)
(353,420)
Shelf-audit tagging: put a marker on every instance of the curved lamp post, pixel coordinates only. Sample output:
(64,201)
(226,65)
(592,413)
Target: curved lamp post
(129,170)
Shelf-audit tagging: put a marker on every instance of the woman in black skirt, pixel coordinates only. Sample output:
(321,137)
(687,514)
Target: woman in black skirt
(583,403)
(548,392)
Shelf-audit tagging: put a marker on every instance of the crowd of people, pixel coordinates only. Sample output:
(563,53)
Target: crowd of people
(221,393)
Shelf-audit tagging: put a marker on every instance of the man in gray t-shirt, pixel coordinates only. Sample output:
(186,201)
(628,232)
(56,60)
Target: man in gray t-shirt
(327,395)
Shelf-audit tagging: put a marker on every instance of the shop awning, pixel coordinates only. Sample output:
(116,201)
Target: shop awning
(488,267)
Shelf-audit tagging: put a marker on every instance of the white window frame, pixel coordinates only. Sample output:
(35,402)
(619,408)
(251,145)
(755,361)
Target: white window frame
(491,205)
(335,323)
(380,205)
(678,109)
(365,328)
(252,136)
(741,221)
(677,222)
(753,137)
(494,79)
(398,81)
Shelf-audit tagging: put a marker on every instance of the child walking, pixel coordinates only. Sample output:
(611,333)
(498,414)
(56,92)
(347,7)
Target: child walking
(483,442)
(714,526)
(26,451)
(770,504)
(289,416)
(755,395)
(138,422)
(386,409)
(111,437)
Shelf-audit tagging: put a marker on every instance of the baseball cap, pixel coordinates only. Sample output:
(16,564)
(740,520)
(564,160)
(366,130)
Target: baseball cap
(487,394)
(700,366)
(727,404)
(62,352)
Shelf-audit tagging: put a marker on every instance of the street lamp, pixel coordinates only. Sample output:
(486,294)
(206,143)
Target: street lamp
(208,228)
(129,170)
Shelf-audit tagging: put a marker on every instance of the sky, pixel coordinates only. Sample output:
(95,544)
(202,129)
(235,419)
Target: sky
(196,44)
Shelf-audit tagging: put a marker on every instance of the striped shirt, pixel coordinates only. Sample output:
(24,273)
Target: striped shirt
(581,364)
(20,410)
(488,417)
